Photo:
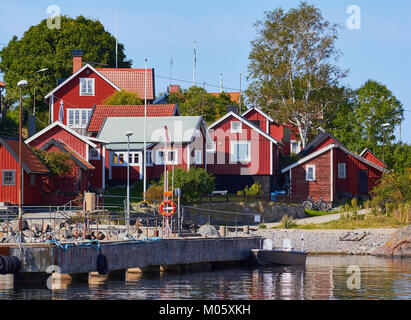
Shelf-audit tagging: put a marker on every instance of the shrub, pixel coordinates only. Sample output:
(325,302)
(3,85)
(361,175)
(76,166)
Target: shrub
(253,191)
(240,193)
(58,162)
(193,183)
(287,222)
(123,98)
(155,192)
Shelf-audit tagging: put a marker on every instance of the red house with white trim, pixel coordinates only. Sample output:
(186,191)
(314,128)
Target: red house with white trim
(367,154)
(287,134)
(34,173)
(242,153)
(72,101)
(330,171)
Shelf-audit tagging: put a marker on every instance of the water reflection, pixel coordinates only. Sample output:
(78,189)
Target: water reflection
(324,277)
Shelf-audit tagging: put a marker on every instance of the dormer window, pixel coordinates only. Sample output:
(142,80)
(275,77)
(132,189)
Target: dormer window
(87,86)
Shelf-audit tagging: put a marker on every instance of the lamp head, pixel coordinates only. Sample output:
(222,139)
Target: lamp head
(129,134)
(386,125)
(42,70)
(22,84)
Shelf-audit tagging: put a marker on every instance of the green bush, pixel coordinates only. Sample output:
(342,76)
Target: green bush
(58,162)
(155,192)
(193,183)
(253,191)
(240,193)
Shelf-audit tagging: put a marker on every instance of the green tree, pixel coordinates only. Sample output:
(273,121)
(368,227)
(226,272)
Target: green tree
(196,101)
(58,162)
(358,123)
(123,98)
(292,65)
(41,47)
(193,183)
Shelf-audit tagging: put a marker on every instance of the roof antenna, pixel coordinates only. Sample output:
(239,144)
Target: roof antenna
(221,82)
(194,62)
(116,38)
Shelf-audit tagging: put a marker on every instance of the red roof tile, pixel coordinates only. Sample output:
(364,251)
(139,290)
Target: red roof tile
(30,160)
(131,80)
(77,156)
(235,96)
(101,112)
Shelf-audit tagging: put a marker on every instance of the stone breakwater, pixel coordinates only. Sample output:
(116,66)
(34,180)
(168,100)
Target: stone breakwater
(329,241)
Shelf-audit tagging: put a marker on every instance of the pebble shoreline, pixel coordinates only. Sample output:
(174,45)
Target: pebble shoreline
(328,241)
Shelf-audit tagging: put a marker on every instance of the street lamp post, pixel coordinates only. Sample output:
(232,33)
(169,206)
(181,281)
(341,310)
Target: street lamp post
(35,82)
(21,84)
(384,126)
(128,135)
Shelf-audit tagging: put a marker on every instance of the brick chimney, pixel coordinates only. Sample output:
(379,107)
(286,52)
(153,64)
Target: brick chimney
(173,88)
(77,59)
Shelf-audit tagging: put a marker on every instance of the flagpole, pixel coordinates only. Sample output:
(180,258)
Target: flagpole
(145,134)
(194,63)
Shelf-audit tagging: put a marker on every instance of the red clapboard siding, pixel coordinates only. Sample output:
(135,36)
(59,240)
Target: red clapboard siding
(254,115)
(319,188)
(58,133)
(260,151)
(70,94)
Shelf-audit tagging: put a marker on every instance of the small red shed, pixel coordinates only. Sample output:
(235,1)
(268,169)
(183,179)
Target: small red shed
(332,172)
(34,173)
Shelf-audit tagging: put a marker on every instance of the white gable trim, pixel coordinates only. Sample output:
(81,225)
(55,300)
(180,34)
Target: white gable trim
(327,148)
(78,72)
(246,122)
(260,112)
(58,123)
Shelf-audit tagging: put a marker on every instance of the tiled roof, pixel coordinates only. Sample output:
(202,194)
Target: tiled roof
(235,96)
(131,80)
(31,163)
(101,112)
(77,156)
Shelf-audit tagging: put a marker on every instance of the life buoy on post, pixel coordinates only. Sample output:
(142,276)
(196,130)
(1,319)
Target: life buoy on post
(169,210)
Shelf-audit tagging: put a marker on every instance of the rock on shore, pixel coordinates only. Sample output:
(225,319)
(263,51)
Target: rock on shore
(398,245)
(329,241)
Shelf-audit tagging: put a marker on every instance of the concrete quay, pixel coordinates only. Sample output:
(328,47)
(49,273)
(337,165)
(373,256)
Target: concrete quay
(128,257)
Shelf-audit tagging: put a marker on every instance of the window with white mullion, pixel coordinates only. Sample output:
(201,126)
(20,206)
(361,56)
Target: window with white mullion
(8,177)
(87,86)
(78,118)
(240,151)
(310,173)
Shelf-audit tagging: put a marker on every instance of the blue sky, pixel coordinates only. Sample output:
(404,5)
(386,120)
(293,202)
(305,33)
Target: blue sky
(160,30)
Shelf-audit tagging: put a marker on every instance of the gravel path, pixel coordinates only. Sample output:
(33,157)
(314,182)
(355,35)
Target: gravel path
(328,241)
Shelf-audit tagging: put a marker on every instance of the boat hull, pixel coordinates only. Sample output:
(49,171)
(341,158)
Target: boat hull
(279,257)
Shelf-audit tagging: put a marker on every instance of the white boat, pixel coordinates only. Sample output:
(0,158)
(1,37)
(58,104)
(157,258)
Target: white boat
(286,256)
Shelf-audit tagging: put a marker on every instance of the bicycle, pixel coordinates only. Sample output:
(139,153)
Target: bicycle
(319,205)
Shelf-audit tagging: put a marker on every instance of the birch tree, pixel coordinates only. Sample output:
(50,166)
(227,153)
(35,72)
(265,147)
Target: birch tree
(293,65)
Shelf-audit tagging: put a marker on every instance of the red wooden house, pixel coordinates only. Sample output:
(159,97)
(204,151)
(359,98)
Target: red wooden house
(287,134)
(242,153)
(72,101)
(329,171)
(184,148)
(34,173)
(87,152)
(101,112)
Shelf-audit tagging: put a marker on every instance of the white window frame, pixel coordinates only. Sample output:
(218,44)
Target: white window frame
(166,155)
(211,147)
(295,142)
(149,158)
(80,117)
(307,167)
(124,154)
(342,170)
(239,130)
(9,184)
(233,158)
(91,157)
(198,157)
(87,81)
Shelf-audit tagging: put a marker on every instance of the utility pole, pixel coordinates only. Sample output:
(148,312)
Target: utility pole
(241,92)
(171,66)
(145,134)
(221,82)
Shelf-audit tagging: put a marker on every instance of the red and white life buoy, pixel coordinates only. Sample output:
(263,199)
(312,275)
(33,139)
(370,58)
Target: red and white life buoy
(167,208)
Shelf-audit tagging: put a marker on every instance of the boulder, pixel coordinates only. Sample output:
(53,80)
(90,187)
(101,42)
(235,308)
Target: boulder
(398,245)
(207,231)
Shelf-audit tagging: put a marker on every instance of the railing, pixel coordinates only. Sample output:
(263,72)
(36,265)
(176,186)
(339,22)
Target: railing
(215,198)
